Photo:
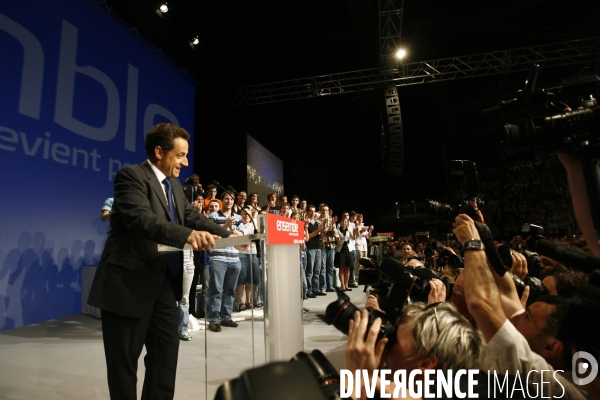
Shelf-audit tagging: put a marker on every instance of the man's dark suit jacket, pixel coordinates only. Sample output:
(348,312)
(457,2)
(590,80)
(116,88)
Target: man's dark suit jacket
(189,193)
(131,269)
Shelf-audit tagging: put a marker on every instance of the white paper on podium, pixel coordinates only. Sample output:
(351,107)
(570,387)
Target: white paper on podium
(220,243)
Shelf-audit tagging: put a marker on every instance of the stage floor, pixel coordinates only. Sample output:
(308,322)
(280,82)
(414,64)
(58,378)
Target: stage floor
(64,358)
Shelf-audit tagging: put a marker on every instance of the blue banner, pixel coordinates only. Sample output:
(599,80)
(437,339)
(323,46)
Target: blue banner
(78,92)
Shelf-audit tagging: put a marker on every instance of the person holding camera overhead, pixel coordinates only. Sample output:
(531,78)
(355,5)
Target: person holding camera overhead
(192,188)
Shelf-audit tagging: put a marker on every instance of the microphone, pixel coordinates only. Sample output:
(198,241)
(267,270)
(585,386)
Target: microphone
(229,187)
(219,185)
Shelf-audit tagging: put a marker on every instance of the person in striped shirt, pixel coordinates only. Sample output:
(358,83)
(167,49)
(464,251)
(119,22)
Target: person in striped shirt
(224,269)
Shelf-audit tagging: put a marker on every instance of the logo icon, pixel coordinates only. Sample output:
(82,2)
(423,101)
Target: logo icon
(581,364)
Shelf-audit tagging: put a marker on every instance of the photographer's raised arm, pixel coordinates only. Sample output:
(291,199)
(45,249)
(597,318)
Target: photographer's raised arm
(509,297)
(581,203)
(481,293)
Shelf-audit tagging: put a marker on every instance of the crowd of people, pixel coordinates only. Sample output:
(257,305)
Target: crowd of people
(489,321)
(532,191)
(331,252)
(493,321)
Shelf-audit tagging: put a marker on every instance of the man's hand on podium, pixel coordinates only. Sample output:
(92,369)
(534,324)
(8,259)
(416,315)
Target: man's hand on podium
(241,247)
(201,240)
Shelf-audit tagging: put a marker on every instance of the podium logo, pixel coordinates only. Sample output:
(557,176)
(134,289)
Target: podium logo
(584,368)
(284,226)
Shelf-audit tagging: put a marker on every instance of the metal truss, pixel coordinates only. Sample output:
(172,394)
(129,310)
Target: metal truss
(390,28)
(499,62)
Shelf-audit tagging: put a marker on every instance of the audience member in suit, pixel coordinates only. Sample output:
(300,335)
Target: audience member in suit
(135,286)
(192,188)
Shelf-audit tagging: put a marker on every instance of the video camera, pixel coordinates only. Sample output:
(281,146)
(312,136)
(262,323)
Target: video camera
(565,117)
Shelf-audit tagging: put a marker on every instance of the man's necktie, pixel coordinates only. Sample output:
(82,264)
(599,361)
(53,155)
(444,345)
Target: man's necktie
(175,260)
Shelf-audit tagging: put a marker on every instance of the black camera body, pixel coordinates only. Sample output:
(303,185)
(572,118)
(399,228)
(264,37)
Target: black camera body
(422,286)
(439,212)
(448,258)
(465,180)
(532,234)
(397,283)
(536,288)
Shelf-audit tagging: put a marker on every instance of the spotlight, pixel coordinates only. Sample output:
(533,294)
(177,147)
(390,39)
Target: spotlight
(163,7)
(400,54)
(193,41)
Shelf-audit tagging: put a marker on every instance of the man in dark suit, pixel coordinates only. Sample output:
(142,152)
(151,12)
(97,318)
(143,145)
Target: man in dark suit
(193,188)
(135,286)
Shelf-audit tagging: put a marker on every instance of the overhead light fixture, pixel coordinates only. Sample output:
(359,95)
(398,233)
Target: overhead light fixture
(163,7)
(193,41)
(400,54)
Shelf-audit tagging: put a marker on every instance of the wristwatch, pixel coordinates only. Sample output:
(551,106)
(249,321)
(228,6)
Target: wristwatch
(473,244)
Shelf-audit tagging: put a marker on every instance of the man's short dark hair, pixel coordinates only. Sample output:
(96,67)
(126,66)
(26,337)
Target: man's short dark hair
(228,193)
(295,197)
(163,135)
(211,186)
(556,317)
(570,282)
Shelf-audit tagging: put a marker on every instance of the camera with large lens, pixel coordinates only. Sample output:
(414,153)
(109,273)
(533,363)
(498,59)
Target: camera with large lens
(465,180)
(422,285)
(439,212)
(536,287)
(340,312)
(394,285)
(533,259)
(398,282)
(448,258)
(532,234)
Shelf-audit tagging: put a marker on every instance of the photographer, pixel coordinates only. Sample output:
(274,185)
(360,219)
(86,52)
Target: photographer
(427,337)
(518,341)
(192,188)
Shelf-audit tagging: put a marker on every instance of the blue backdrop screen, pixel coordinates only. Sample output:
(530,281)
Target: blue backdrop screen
(78,93)
(264,171)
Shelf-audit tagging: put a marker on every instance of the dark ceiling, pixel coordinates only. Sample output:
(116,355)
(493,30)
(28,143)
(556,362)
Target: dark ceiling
(244,43)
